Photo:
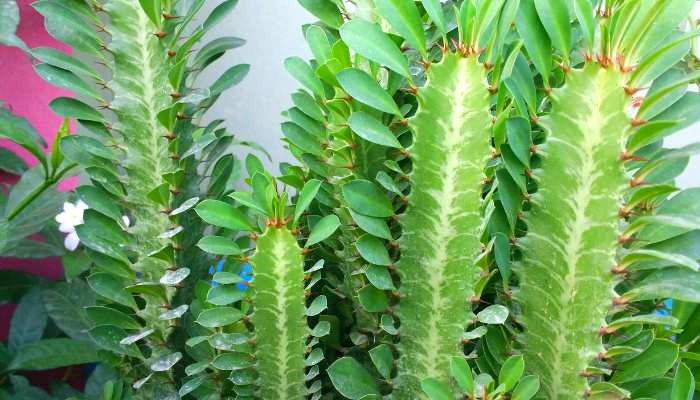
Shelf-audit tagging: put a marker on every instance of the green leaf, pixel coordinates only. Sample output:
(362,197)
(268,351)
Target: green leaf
(19,131)
(683,384)
(109,337)
(191,385)
(213,50)
(308,105)
(372,299)
(53,353)
(518,133)
(365,89)
(373,250)
(11,162)
(649,319)
(510,196)
(511,371)
(224,215)
(185,206)
(323,229)
(219,245)
(662,59)
(98,225)
(366,198)
(351,379)
(227,278)
(68,27)
(153,10)
(463,374)
(65,303)
(9,15)
(404,17)
(374,226)
(73,108)
(495,314)
(219,316)
(57,58)
(306,196)
(641,255)
(224,295)
(232,361)
(649,133)
(674,283)
(65,79)
(659,95)
(318,42)
(586,18)
(28,321)
(324,10)
(665,224)
(99,200)
(317,306)
(81,149)
(109,316)
(109,287)
(302,72)
(230,78)
(380,277)
(527,388)
(305,141)
(219,13)
(383,360)
(372,130)
(554,16)
(436,390)
(535,38)
(655,360)
(368,40)
(434,10)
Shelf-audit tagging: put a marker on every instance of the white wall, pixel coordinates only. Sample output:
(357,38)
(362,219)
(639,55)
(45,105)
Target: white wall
(252,109)
(273,31)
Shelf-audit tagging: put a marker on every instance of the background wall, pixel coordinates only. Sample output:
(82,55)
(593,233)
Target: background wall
(272,29)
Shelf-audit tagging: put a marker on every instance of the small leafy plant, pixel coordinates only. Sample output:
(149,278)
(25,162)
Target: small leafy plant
(511,382)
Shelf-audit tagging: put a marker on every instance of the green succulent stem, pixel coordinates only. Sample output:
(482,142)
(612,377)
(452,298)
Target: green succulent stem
(566,287)
(279,317)
(141,90)
(442,224)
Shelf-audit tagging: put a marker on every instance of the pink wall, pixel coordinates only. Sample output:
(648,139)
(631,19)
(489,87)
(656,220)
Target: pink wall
(21,88)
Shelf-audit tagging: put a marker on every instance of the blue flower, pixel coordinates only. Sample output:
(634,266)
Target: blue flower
(247,276)
(219,268)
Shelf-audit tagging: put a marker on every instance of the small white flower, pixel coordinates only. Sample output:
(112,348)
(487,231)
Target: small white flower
(72,241)
(71,217)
